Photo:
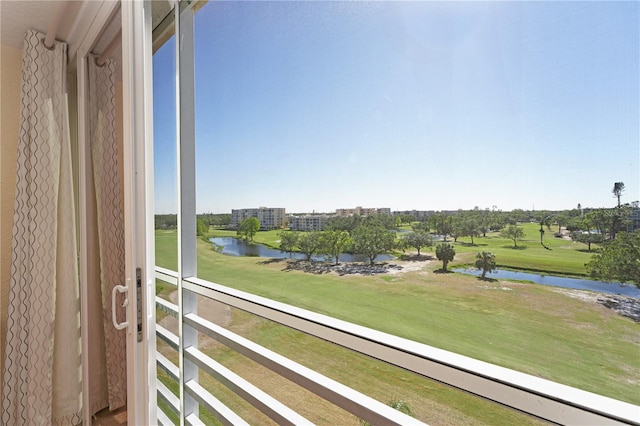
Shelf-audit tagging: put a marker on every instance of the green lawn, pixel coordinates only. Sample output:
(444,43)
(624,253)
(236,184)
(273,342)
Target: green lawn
(530,328)
(564,257)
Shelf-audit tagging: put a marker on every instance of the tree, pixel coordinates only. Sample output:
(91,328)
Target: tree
(562,219)
(514,233)
(518,215)
(578,224)
(545,220)
(421,227)
(457,230)
(288,241)
(445,252)
(343,223)
(215,219)
(587,238)
(470,226)
(309,243)
(220,220)
(486,261)
(372,240)
(407,218)
(619,219)
(619,259)
(609,222)
(334,242)
(166,221)
(497,219)
(600,219)
(618,189)
(201,228)
(417,240)
(383,220)
(442,224)
(483,218)
(248,228)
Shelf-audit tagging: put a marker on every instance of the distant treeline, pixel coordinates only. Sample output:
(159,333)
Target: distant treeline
(170,221)
(604,221)
(607,222)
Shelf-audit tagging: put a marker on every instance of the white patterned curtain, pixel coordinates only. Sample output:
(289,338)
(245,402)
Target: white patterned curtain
(110,219)
(42,376)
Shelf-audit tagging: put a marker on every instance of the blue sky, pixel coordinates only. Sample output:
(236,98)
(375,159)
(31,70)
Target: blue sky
(314,106)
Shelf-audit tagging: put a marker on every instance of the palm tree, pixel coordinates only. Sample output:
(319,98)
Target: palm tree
(485,261)
(618,189)
(446,253)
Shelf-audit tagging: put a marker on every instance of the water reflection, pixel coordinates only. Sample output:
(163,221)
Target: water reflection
(575,283)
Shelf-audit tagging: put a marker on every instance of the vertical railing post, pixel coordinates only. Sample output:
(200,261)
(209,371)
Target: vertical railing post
(185,111)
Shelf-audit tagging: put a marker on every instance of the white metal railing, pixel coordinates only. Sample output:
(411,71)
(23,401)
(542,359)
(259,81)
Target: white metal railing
(538,397)
(359,404)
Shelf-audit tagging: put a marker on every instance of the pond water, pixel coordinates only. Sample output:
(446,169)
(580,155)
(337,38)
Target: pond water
(235,247)
(575,283)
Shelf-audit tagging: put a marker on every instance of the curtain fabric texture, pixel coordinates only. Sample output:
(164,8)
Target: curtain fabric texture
(110,217)
(42,376)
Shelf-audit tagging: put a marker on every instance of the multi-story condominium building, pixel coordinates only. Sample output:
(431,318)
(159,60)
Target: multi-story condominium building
(362,211)
(269,217)
(309,222)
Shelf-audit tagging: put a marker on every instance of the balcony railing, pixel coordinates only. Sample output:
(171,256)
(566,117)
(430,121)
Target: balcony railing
(537,397)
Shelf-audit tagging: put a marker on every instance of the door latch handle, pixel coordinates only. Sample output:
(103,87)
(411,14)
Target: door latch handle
(121,289)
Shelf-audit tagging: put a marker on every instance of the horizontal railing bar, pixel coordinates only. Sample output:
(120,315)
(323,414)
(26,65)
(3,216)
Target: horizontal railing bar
(167,307)
(167,396)
(539,397)
(213,405)
(356,403)
(274,409)
(163,419)
(167,275)
(193,420)
(167,336)
(170,368)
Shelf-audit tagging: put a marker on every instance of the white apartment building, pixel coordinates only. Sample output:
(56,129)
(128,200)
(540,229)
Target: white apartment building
(269,217)
(362,211)
(310,222)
